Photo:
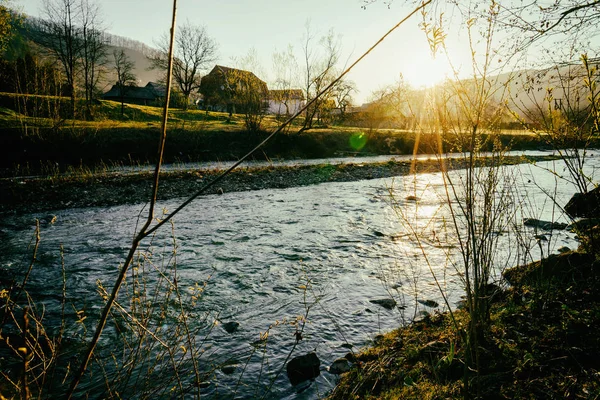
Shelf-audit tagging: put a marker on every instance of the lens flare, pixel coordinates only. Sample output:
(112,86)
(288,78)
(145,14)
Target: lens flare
(358,140)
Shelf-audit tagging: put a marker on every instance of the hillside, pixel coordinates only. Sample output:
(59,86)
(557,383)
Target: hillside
(135,50)
(142,67)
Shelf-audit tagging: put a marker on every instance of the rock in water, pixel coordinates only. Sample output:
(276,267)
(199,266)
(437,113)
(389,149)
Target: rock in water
(339,366)
(385,303)
(429,303)
(228,369)
(303,368)
(545,225)
(231,326)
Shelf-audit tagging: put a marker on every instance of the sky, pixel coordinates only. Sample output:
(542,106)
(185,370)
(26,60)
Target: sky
(272,25)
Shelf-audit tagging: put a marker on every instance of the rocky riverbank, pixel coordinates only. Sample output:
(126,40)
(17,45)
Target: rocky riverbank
(541,340)
(22,195)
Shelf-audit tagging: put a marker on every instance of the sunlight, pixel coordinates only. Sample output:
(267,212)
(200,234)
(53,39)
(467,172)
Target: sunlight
(426,71)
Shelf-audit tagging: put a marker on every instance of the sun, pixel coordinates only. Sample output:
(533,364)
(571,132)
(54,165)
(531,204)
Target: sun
(427,71)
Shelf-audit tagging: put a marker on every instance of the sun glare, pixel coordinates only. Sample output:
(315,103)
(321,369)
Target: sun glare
(427,72)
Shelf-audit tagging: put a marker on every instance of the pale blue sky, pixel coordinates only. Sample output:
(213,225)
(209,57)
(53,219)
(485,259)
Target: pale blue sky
(269,25)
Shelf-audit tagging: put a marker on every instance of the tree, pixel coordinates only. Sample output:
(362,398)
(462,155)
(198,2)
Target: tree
(125,77)
(577,21)
(6,25)
(319,71)
(71,33)
(342,93)
(285,67)
(59,34)
(249,92)
(93,50)
(194,51)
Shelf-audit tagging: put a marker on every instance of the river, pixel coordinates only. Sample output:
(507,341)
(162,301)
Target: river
(317,254)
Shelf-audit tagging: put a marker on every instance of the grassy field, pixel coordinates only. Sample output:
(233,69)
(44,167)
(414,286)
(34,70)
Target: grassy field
(35,138)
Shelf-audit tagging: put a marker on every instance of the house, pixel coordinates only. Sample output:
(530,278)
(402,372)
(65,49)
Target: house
(151,94)
(232,90)
(285,101)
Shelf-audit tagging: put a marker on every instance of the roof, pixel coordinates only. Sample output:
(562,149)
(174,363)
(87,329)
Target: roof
(222,70)
(151,92)
(158,89)
(287,94)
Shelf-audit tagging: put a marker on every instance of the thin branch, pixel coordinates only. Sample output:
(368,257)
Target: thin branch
(285,124)
(142,234)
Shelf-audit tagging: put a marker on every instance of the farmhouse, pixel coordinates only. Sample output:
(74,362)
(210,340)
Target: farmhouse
(232,90)
(286,101)
(151,94)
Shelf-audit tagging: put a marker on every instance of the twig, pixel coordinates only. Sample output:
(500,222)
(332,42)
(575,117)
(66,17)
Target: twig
(286,123)
(143,233)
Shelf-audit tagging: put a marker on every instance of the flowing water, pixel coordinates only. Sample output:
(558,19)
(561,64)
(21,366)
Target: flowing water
(320,252)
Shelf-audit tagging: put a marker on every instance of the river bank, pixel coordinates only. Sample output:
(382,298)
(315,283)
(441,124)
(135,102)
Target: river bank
(541,337)
(22,195)
(541,343)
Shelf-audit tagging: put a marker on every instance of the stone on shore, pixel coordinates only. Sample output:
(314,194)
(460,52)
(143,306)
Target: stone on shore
(584,205)
(339,366)
(429,303)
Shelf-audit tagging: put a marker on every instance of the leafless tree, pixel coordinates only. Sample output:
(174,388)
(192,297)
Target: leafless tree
(125,77)
(342,94)
(390,107)
(60,36)
(319,71)
(572,21)
(195,50)
(250,93)
(93,50)
(285,67)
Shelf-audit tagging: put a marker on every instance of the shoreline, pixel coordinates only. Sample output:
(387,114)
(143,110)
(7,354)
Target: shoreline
(21,196)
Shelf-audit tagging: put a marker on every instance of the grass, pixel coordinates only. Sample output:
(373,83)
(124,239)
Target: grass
(543,343)
(34,140)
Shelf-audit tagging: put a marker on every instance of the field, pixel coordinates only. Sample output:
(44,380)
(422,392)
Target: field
(33,142)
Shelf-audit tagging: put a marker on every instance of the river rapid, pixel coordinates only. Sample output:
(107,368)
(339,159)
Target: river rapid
(281,261)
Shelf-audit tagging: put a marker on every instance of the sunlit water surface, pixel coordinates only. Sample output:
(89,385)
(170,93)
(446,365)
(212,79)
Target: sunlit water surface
(269,254)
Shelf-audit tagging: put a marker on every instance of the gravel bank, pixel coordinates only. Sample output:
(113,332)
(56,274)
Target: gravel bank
(35,195)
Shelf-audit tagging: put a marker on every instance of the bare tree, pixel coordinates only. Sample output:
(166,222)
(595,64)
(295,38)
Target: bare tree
(319,71)
(250,92)
(285,67)
(71,32)
(342,94)
(194,52)
(390,107)
(60,36)
(93,50)
(575,21)
(125,77)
